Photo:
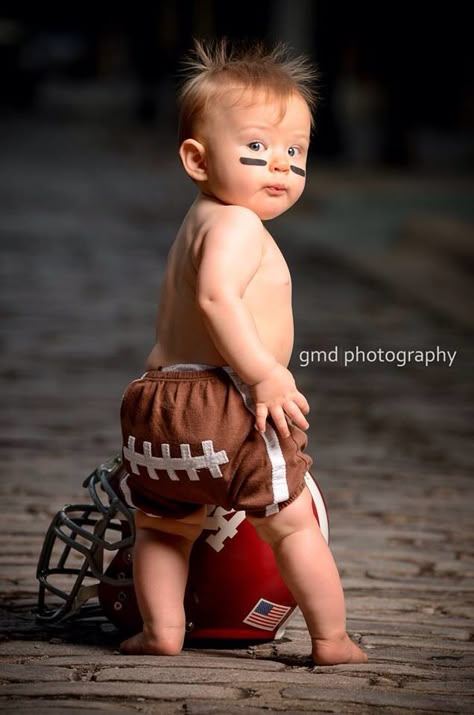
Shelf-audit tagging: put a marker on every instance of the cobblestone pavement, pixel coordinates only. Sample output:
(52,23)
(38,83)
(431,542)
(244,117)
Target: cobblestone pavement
(87,216)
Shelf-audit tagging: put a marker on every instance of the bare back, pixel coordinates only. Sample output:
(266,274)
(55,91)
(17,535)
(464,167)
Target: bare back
(181,334)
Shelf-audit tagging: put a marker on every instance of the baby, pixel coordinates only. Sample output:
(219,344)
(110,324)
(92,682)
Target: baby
(217,401)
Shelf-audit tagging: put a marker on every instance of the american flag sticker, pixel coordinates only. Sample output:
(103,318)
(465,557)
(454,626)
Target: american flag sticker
(266,615)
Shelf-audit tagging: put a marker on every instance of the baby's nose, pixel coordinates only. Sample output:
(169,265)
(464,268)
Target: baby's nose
(279,162)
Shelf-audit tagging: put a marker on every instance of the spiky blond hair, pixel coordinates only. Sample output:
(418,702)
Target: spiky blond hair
(214,67)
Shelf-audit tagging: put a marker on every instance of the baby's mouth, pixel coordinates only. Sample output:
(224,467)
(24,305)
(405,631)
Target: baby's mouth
(276,188)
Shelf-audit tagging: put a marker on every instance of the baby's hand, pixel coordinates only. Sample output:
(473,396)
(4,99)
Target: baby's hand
(277,396)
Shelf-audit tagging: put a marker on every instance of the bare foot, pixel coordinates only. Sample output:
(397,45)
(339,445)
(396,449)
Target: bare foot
(142,644)
(337,651)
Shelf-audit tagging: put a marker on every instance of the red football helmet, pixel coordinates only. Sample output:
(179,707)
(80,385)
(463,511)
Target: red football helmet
(234,589)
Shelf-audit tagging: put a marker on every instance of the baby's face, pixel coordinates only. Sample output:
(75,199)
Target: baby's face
(256,152)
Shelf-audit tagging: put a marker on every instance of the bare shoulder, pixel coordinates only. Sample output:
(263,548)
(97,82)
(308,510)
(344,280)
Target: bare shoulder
(225,235)
(231,223)
(239,214)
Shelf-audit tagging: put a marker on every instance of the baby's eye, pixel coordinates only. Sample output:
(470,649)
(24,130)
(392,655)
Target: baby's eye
(255,146)
(293,151)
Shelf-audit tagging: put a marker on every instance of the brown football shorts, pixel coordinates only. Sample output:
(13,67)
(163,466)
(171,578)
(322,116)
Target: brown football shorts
(189,439)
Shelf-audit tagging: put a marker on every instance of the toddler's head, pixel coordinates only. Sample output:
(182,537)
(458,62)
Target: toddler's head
(244,124)
(213,70)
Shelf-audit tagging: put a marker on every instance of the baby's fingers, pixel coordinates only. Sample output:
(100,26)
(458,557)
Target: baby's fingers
(302,402)
(294,412)
(261,414)
(281,423)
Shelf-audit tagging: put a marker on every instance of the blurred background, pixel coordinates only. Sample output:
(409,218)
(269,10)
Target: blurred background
(380,247)
(92,194)
(396,80)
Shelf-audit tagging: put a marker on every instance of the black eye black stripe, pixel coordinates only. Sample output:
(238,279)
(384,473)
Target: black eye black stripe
(252,162)
(262,162)
(297,170)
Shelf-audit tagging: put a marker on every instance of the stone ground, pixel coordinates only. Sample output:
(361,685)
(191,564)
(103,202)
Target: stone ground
(87,216)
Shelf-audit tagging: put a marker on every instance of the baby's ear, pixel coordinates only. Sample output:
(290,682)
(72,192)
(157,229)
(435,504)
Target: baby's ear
(193,156)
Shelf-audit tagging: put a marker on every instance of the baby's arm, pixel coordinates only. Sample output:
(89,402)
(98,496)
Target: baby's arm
(230,256)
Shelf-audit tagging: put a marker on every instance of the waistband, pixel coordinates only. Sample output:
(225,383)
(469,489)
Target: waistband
(186,371)
(199,371)
(187,367)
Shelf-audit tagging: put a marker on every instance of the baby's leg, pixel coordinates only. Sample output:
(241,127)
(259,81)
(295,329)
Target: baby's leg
(308,569)
(160,572)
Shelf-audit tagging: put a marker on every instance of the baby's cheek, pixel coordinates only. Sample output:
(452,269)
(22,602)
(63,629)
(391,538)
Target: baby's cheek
(297,192)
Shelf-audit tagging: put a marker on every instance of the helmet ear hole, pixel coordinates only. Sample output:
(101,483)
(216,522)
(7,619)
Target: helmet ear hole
(118,601)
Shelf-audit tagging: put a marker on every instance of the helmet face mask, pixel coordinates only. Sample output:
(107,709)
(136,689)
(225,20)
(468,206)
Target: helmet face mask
(79,544)
(234,589)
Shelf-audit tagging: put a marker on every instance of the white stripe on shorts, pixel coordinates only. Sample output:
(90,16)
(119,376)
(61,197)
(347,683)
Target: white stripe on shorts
(279,482)
(318,501)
